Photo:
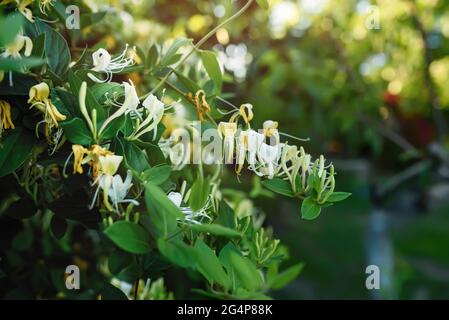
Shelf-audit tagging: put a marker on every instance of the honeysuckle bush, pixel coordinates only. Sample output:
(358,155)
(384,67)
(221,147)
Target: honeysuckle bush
(101,165)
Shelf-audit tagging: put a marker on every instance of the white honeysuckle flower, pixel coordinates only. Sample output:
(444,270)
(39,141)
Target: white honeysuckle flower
(109,165)
(14,48)
(255,140)
(104,63)
(131,97)
(189,215)
(119,190)
(176,198)
(228,131)
(268,157)
(321,166)
(129,105)
(153,111)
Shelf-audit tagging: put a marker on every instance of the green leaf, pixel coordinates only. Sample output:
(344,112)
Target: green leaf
(99,91)
(244,269)
(187,83)
(19,65)
(56,49)
(157,200)
(23,240)
(14,150)
(338,196)
(157,174)
(38,46)
(118,261)
(226,216)
(199,193)
(113,128)
(173,59)
(152,57)
(285,277)
(91,102)
(129,236)
(76,131)
(310,209)
(178,43)
(135,158)
(263,4)
(279,186)
(314,182)
(10,26)
(215,229)
(177,252)
(213,69)
(209,265)
(110,292)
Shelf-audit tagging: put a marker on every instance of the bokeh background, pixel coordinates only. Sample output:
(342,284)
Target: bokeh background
(367,82)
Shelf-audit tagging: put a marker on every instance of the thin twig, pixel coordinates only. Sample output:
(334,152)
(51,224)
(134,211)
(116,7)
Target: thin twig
(198,45)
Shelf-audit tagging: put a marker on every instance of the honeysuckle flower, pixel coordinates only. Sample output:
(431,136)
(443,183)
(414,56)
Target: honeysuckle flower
(129,105)
(271,129)
(39,98)
(79,153)
(119,190)
(109,165)
(228,131)
(14,48)
(254,141)
(189,215)
(268,157)
(90,156)
(131,96)
(104,63)
(44,5)
(154,109)
(5,116)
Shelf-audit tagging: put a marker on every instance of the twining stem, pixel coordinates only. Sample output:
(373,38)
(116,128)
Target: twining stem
(198,45)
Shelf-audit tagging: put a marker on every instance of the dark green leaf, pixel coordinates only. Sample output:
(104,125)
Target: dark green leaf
(129,236)
(76,131)
(279,186)
(177,252)
(14,150)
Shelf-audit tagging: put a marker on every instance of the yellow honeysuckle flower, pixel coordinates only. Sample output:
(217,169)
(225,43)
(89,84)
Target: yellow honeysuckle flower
(39,99)
(78,153)
(5,116)
(270,128)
